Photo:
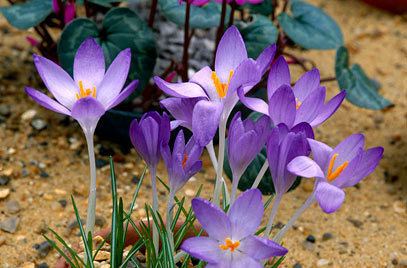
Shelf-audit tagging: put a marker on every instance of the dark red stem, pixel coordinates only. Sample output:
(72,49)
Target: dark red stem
(232,13)
(187,39)
(153,10)
(328,79)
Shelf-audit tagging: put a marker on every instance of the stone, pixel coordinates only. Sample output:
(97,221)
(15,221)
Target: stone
(102,256)
(39,124)
(44,174)
(28,115)
(189,192)
(327,236)
(310,239)
(10,224)
(297,265)
(135,179)
(28,265)
(5,110)
(356,223)
(13,206)
(4,180)
(4,193)
(2,240)
(43,248)
(63,202)
(308,245)
(42,265)
(323,262)
(101,163)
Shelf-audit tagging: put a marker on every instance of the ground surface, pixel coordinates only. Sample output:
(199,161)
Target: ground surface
(44,167)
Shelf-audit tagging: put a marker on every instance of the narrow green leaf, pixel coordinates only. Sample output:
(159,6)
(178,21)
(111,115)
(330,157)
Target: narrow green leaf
(70,250)
(60,251)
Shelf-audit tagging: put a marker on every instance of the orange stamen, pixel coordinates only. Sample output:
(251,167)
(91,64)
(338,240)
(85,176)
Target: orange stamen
(332,175)
(83,93)
(184,160)
(230,245)
(297,103)
(221,88)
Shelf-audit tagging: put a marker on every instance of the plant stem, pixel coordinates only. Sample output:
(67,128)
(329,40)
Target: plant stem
(273,214)
(274,3)
(328,79)
(232,13)
(296,215)
(221,27)
(260,175)
(170,207)
(90,218)
(187,39)
(221,156)
(153,10)
(212,156)
(235,184)
(153,172)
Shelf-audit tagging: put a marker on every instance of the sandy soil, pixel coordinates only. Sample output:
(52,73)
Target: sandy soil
(45,167)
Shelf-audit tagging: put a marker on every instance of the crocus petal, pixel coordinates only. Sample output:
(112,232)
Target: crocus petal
(282,106)
(320,152)
(213,220)
(307,83)
(123,95)
(58,82)
(230,53)
(89,64)
(304,128)
(203,248)
(204,78)
(181,109)
(311,106)
(265,58)
(247,74)
(46,101)
(279,75)
(348,149)
(254,104)
(329,197)
(243,261)
(246,213)
(260,248)
(180,90)
(329,109)
(137,139)
(205,120)
(87,111)
(305,167)
(115,78)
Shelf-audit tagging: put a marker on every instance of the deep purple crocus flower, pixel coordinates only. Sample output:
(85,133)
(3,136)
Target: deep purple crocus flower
(335,169)
(218,88)
(183,162)
(149,135)
(231,241)
(291,106)
(92,91)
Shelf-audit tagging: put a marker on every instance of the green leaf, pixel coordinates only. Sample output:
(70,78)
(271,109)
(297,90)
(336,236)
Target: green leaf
(264,8)
(28,14)
(120,29)
(258,34)
(310,27)
(204,17)
(105,3)
(360,89)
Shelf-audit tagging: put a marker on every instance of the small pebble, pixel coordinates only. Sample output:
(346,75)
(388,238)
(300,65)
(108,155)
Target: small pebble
(297,265)
(63,202)
(28,115)
(327,236)
(356,223)
(13,206)
(322,262)
(101,163)
(135,179)
(43,265)
(44,174)
(308,245)
(4,193)
(310,239)
(189,192)
(28,265)
(102,256)
(2,240)
(4,180)
(10,224)
(5,110)
(39,124)
(43,248)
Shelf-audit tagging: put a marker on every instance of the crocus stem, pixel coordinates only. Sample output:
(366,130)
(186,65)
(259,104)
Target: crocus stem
(90,218)
(235,183)
(187,39)
(212,156)
(273,214)
(232,13)
(221,156)
(153,171)
(296,215)
(153,10)
(170,206)
(260,174)
(221,27)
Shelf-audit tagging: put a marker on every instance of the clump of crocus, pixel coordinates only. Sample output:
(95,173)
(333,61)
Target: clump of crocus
(246,138)
(231,241)
(86,97)
(148,136)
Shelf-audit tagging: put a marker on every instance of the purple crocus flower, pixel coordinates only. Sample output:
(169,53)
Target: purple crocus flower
(231,241)
(149,135)
(181,109)
(291,106)
(92,91)
(245,140)
(218,88)
(183,162)
(335,169)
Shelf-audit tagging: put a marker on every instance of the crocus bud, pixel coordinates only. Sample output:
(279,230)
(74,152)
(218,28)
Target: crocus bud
(69,12)
(55,6)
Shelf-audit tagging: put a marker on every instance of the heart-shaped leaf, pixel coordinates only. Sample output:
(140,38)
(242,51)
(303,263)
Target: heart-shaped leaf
(310,27)
(207,16)
(361,90)
(258,34)
(264,8)
(28,14)
(120,29)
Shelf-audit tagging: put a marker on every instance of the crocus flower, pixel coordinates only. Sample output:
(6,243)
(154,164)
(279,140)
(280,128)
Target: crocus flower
(233,69)
(148,136)
(92,91)
(55,6)
(231,241)
(69,12)
(183,162)
(291,106)
(181,109)
(245,140)
(335,169)
(242,2)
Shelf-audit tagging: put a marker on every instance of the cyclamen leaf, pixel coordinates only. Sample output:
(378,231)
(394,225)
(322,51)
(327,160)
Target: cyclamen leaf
(264,8)
(258,34)
(204,17)
(310,27)
(28,14)
(361,90)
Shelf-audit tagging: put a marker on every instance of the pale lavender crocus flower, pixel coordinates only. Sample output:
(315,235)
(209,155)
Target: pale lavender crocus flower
(305,102)
(246,138)
(86,97)
(231,241)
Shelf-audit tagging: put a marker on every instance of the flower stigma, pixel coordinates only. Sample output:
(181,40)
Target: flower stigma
(332,175)
(297,103)
(230,245)
(184,160)
(83,93)
(221,88)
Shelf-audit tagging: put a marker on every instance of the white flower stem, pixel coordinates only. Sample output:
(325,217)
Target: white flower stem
(212,155)
(235,184)
(170,207)
(221,156)
(90,218)
(156,241)
(297,214)
(273,214)
(260,174)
